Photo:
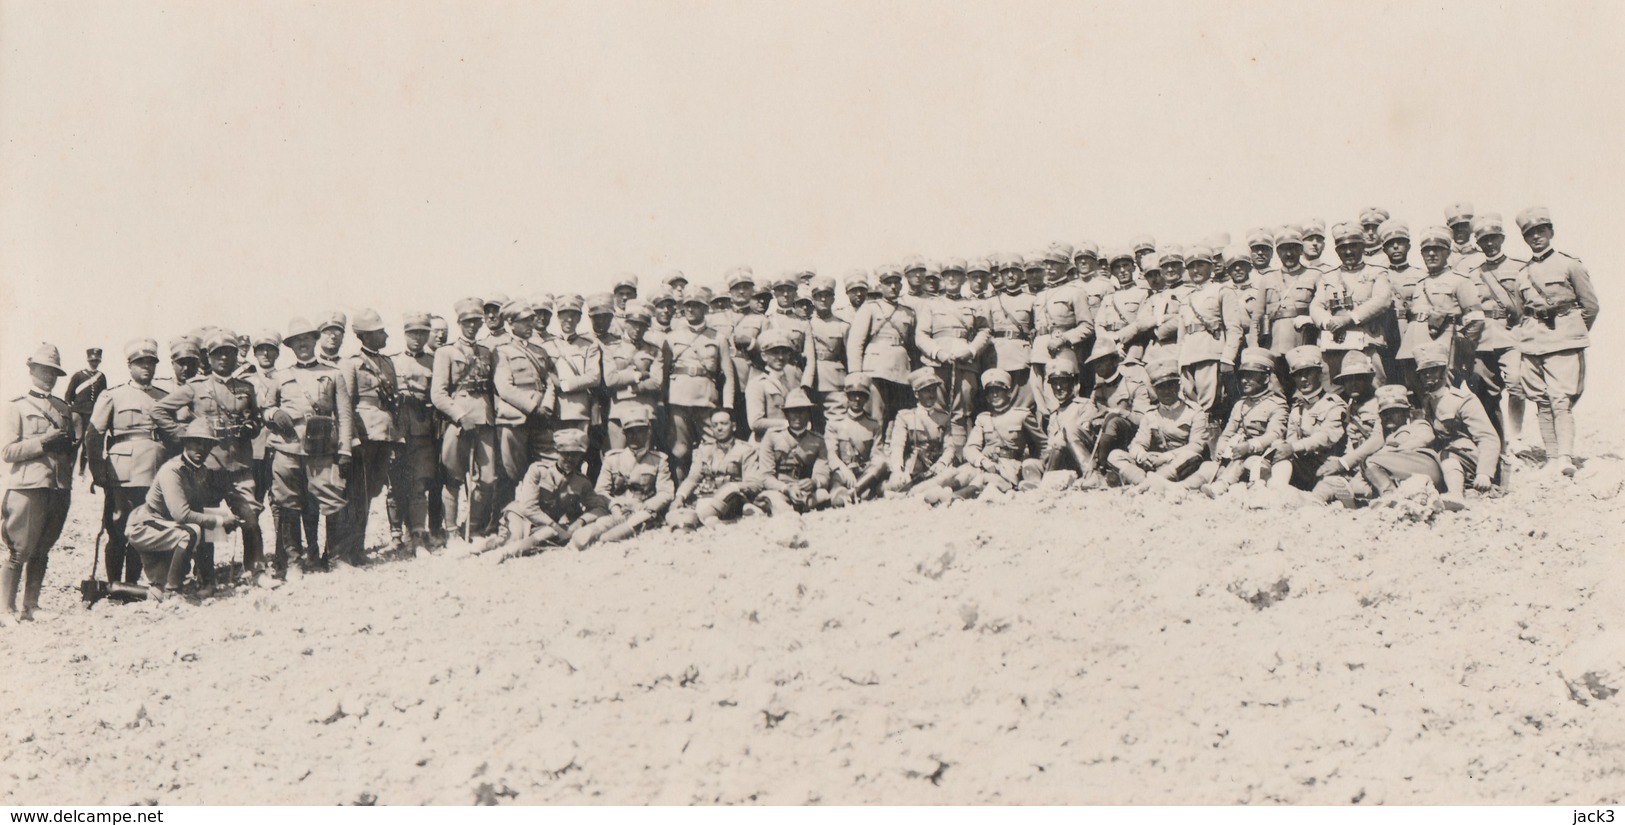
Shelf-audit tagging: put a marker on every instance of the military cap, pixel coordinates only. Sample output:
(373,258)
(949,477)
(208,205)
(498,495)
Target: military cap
(762,287)
(913,262)
(331,320)
(1119,255)
(797,399)
(625,279)
(1143,243)
(857,279)
(922,378)
(1004,261)
(1355,363)
(200,429)
(674,277)
(47,356)
(1435,236)
(1260,237)
(997,378)
(368,320)
(1086,249)
(1170,256)
(600,303)
(1488,223)
(298,327)
(773,339)
(1532,217)
(1199,252)
(220,339)
(1238,255)
(183,347)
(413,321)
(638,311)
(1058,253)
(1289,235)
(468,308)
(543,303)
(982,265)
(1431,356)
(1304,357)
(715,298)
(1392,397)
(1347,233)
(739,275)
(141,348)
(1460,212)
(823,283)
(702,295)
(1036,260)
(1373,214)
(804,275)
(1257,359)
(888,272)
(857,382)
(1162,371)
(953,265)
(1064,362)
(516,309)
(1393,228)
(661,296)
(494,299)
(1314,228)
(630,416)
(200,334)
(1104,348)
(785,281)
(569,303)
(570,441)
(95,352)
(269,338)
(1153,265)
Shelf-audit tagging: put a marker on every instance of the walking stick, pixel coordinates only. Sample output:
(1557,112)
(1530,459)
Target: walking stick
(468,495)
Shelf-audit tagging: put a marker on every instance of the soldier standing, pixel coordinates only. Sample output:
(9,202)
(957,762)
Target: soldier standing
(312,425)
(185,359)
(1349,305)
(84,387)
(1238,268)
(1210,334)
(521,380)
(375,390)
(700,361)
(461,390)
(1444,307)
(1289,294)
(951,337)
(881,344)
(496,330)
(1464,252)
(1560,306)
(635,372)
(1498,371)
(1314,243)
(578,363)
(37,444)
(828,333)
(1009,314)
(331,329)
(857,291)
(1371,220)
(231,407)
(417,463)
(134,450)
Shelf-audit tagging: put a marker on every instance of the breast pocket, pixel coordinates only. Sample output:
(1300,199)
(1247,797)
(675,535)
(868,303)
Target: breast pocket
(523,373)
(131,421)
(35,424)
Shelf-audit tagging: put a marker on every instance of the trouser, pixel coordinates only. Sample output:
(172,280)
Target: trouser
(1112,434)
(469,460)
(1222,475)
(1132,473)
(1199,382)
(1297,471)
(307,488)
(1555,381)
(960,386)
(687,429)
(894,397)
(1385,469)
(369,472)
(411,475)
(248,513)
(168,549)
(123,563)
(1489,380)
(30,523)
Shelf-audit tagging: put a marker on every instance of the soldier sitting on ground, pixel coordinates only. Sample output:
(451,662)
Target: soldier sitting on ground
(856,456)
(792,463)
(636,479)
(1339,476)
(920,454)
(553,502)
(1407,445)
(1257,422)
(1172,436)
(1466,441)
(1314,425)
(714,491)
(1000,451)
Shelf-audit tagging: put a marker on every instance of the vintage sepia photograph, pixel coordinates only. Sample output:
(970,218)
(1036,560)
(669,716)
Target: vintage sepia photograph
(733,402)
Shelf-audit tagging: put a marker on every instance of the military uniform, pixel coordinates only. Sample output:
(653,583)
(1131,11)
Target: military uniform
(133,450)
(714,489)
(312,423)
(856,455)
(1315,427)
(700,363)
(84,388)
(415,473)
(951,337)
(1560,306)
(1170,440)
(554,499)
(637,484)
(635,373)
(828,332)
(1442,310)
(791,468)
(764,398)
(1003,446)
(1405,451)
(1343,480)
(579,364)
(1211,328)
(37,445)
(167,528)
(1498,368)
(1466,441)
(1257,422)
(1348,307)
(462,391)
(375,389)
(881,344)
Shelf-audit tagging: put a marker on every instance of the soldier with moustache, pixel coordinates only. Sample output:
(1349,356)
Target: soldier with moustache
(312,423)
(416,466)
(1560,307)
(1498,361)
(1349,305)
(461,389)
(882,344)
(133,450)
(1289,295)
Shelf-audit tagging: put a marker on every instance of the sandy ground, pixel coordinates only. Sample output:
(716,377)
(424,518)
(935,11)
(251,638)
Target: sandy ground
(1077,648)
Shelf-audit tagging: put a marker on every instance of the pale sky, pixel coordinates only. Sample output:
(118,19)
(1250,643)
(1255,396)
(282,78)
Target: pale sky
(168,165)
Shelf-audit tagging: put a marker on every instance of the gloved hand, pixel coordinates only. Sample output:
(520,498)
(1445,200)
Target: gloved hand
(58,441)
(343,463)
(467,421)
(281,423)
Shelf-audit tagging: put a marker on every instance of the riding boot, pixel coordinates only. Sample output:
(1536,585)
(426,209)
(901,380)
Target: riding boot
(9,576)
(338,531)
(35,576)
(281,531)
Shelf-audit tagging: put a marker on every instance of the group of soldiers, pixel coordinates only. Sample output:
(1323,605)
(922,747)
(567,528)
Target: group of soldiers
(1205,366)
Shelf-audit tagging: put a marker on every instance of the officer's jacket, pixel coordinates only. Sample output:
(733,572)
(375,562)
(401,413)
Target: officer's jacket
(1129,393)
(1211,325)
(549,496)
(699,363)
(1251,298)
(1501,301)
(263,381)
(1095,290)
(1068,426)
(522,379)
(1462,427)
(28,420)
(1362,433)
(764,398)
(747,358)
(1180,429)
(312,394)
(1060,312)
(1365,294)
(230,407)
(375,389)
(462,383)
(181,490)
(1465,258)
(918,440)
(852,442)
(797,329)
(713,465)
(1318,426)
(787,457)
(1287,297)
(1256,423)
(1159,317)
(1443,302)
(579,369)
(828,353)
(1560,304)
(1413,436)
(413,375)
(635,372)
(997,437)
(636,481)
(134,444)
(881,341)
(943,326)
(1010,324)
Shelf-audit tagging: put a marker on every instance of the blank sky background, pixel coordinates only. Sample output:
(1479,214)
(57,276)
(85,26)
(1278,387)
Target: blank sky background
(169,165)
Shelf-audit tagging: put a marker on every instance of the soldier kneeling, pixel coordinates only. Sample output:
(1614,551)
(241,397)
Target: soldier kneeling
(636,479)
(792,464)
(553,502)
(714,491)
(168,528)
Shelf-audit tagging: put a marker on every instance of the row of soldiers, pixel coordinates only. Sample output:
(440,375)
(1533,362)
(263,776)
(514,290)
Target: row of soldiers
(1202,366)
